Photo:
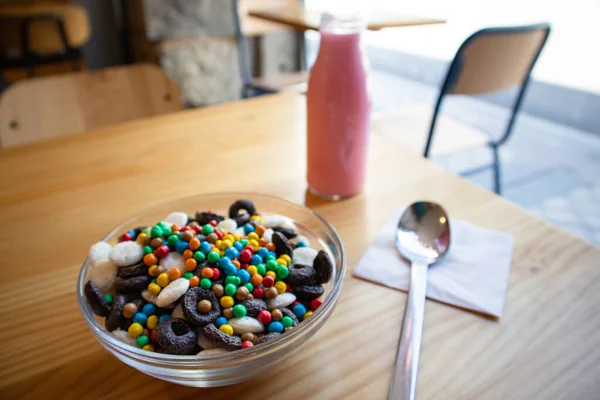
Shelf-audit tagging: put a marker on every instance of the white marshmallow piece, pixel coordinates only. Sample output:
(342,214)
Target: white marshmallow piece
(124,337)
(173,260)
(273,220)
(304,256)
(126,253)
(103,273)
(172,292)
(178,312)
(177,218)
(98,252)
(228,225)
(245,325)
(281,300)
(268,235)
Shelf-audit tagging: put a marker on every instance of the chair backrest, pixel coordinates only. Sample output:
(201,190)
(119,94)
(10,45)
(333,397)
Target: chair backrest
(43,31)
(494,59)
(49,107)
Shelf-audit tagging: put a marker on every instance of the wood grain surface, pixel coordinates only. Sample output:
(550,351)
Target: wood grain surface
(304,19)
(58,197)
(47,107)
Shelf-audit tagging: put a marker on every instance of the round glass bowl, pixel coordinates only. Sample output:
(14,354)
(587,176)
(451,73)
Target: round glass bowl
(236,366)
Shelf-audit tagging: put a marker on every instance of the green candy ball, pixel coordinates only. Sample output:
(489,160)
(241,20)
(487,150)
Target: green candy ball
(142,340)
(261,269)
(207,229)
(205,283)
(239,311)
(147,250)
(188,275)
(287,321)
(156,231)
(213,257)
(108,298)
(249,286)
(230,289)
(282,272)
(272,265)
(199,256)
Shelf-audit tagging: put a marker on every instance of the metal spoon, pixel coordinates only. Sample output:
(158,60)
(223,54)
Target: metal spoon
(423,237)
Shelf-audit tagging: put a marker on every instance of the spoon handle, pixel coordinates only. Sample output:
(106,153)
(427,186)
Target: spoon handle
(404,380)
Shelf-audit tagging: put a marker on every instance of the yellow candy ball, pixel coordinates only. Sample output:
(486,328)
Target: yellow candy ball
(286,258)
(163,279)
(135,329)
(226,301)
(252,270)
(229,237)
(218,243)
(141,237)
(256,218)
(227,329)
(221,253)
(228,243)
(308,314)
(236,238)
(153,321)
(154,289)
(148,347)
(272,274)
(252,236)
(282,261)
(281,287)
(214,249)
(153,270)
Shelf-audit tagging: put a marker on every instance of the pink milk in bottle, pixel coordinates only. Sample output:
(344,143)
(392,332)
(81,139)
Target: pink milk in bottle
(338,110)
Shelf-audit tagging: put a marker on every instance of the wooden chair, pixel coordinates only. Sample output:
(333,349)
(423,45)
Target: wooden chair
(38,34)
(490,60)
(48,107)
(295,81)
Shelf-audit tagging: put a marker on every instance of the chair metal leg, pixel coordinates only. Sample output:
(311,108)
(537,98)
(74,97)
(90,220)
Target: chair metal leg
(497,182)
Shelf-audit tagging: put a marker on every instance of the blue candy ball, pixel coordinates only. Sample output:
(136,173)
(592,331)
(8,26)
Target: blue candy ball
(140,318)
(256,259)
(204,247)
(232,253)
(163,318)
(276,326)
(239,246)
(263,252)
(299,310)
(132,233)
(230,270)
(301,244)
(220,321)
(224,261)
(272,253)
(248,228)
(181,246)
(243,275)
(148,309)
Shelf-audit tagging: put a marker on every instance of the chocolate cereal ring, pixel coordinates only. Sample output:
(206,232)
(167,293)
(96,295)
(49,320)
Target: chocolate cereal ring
(240,205)
(95,299)
(136,283)
(266,338)
(132,270)
(205,217)
(253,307)
(308,292)
(301,275)
(115,317)
(190,306)
(289,233)
(222,339)
(175,336)
(323,267)
(282,246)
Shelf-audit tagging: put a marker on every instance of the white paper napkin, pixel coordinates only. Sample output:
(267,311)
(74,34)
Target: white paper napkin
(472,275)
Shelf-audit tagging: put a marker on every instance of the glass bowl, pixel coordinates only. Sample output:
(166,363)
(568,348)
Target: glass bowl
(236,366)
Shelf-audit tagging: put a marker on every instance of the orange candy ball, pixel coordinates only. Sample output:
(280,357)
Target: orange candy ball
(260,230)
(150,259)
(174,273)
(207,273)
(236,263)
(190,264)
(270,246)
(187,254)
(256,280)
(194,281)
(194,244)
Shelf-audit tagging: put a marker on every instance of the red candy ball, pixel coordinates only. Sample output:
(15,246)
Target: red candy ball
(125,237)
(219,233)
(216,274)
(247,344)
(184,228)
(153,336)
(244,266)
(264,317)
(258,293)
(162,251)
(198,229)
(316,303)
(294,303)
(249,248)
(288,288)
(245,256)
(212,222)
(268,281)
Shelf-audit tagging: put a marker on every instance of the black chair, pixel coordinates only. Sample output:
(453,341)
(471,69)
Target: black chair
(490,60)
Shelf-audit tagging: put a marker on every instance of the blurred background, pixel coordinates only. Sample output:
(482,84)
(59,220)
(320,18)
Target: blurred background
(101,62)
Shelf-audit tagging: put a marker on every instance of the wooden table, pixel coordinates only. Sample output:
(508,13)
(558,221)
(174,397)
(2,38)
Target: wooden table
(307,19)
(58,197)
